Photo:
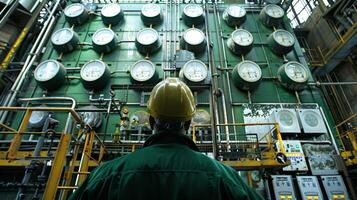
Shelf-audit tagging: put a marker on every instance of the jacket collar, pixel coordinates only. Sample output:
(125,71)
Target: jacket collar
(164,137)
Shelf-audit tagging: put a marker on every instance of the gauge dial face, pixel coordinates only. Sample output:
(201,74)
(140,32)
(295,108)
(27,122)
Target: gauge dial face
(93,70)
(103,36)
(193,10)
(249,71)
(195,71)
(194,36)
(236,11)
(147,36)
(274,11)
(74,10)
(311,119)
(296,72)
(242,37)
(37,117)
(151,10)
(284,38)
(142,70)
(111,10)
(46,70)
(286,118)
(62,36)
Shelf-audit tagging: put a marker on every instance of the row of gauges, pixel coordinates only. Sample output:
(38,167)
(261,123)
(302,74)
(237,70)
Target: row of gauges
(271,15)
(112,14)
(95,74)
(291,75)
(105,40)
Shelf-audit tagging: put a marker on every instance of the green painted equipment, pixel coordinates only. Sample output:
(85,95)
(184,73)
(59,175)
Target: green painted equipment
(112,14)
(147,41)
(293,75)
(50,74)
(151,14)
(281,42)
(247,75)
(64,40)
(272,15)
(194,71)
(234,15)
(240,42)
(144,71)
(95,75)
(104,40)
(193,15)
(76,14)
(193,40)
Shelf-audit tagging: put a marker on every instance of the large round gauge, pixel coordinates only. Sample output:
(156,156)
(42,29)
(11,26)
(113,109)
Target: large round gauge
(151,14)
(37,119)
(281,42)
(271,15)
(147,41)
(76,14)
(95,75)
(193,40)
(50,74)
(240,42)
(112,14)
(234,15)
(247,75)
(143,71)
(194,71)
(90,117)
(64,40)
(104,40)
(193,15)
(293,75)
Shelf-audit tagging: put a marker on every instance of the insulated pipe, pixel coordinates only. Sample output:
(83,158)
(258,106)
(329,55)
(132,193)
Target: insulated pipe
(34,52)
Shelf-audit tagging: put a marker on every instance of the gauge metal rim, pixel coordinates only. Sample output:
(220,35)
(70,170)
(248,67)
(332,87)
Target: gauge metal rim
(196,7)
(273,5)
(185,35)
(92,61)
(63,42)
(155,10)
(141,61)
(194,61)
(53,75)
(147,29)
(229,11)
(102,29)
(284,31)
(254,64)
(238,42)
(75,4)
(118,11)
(302,66)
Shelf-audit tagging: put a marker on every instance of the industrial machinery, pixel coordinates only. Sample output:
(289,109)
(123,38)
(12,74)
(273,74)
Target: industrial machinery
(75,96)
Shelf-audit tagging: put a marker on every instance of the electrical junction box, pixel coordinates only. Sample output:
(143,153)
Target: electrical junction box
(334,187)
(283,187)
(287,119)
(321,159)
(309,188)
(311,121)
(294,153)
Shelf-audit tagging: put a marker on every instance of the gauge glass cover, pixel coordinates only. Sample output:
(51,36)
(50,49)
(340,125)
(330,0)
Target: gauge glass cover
(36,117)
(151,10)
(311,119)
(236,11)
(249,71)
(74,10)
(193,10)
(194,36)
(93,70)
(242,37)
(286,118)
(103,36)
(284,38)
(147,36)
(142,70)
(46,70)
(195,71)
(62,36)
(111,10)
(274,11)
(296,72)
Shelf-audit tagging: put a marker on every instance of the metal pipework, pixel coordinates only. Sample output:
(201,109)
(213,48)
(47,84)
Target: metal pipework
(317,83)
(34,52)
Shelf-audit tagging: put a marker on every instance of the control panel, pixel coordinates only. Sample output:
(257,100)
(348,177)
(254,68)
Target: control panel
(309,188)
(283,187)
(334,187)
(295,154)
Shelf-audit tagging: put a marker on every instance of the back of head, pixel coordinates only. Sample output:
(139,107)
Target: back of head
(171,105)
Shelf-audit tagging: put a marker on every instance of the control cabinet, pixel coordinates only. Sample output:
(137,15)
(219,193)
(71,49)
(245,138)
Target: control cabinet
(309,188)
(283,187)
(295,154)
(334,187)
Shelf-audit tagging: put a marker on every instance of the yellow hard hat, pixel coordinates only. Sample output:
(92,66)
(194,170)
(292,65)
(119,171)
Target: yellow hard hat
(171,100)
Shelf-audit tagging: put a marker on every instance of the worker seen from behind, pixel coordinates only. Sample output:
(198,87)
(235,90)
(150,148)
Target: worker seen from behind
(169,166)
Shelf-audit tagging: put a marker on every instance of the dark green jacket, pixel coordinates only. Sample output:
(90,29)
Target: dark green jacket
(168,167)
